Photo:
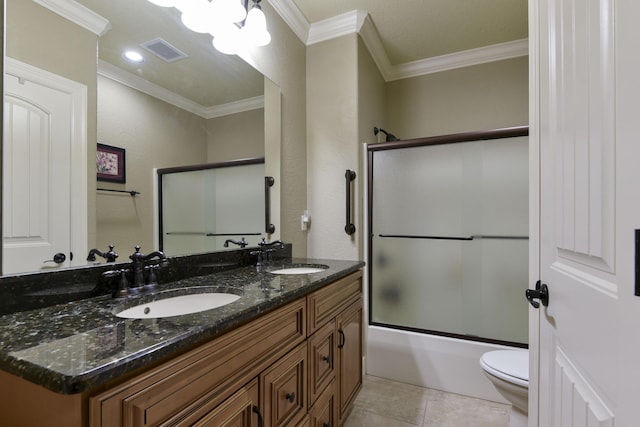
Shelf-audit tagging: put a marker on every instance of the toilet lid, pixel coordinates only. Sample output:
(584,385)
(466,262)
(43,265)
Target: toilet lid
(510,365)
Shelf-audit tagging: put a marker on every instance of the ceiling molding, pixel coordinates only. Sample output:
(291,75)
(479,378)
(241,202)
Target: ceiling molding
(78,14)
(133,81)
(466,58)
(292,16)
(235,107)
(360,22)
(372,41)
(347,23)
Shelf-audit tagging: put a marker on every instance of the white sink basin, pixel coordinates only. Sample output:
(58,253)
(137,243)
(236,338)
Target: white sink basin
(299,270)
(178,305)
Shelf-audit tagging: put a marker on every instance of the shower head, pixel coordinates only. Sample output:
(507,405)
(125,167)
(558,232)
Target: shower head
(389,136)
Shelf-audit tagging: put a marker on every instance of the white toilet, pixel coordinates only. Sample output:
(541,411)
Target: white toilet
(508,370)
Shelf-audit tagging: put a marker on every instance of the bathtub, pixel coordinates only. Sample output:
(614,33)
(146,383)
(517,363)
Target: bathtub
(432,361)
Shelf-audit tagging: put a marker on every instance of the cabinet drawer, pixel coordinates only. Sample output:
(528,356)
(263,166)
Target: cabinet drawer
(284,389)
(236,411)
(322,359)
(324,304)
(188,383)
(325,411)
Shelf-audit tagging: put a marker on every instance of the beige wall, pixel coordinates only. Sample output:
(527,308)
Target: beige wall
(347,97)
(283,62)
(480,97)
(53,53)
(154,134)
(332,144)
(236,136)
(372,100)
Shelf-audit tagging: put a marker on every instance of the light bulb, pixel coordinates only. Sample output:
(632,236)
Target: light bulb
(228,40)
(133,56)
(255,28)
(186,6)
(229,10)
(199,17)
(163,3)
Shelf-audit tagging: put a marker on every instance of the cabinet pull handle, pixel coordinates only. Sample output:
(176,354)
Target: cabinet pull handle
(350,228)
(342,338)
(268,227)
(256,410)
(290,397)
(327,358)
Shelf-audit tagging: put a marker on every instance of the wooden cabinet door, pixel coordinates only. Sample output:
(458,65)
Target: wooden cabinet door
(239,410)
(324,412)
(322,360)
(284,389)
(349,325)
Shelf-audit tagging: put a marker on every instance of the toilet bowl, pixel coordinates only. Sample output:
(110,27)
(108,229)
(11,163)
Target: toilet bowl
(508,371)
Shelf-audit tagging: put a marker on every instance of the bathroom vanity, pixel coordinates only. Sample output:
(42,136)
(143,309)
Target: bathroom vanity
(287,352)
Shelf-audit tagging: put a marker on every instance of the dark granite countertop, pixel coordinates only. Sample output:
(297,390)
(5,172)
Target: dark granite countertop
(76,346)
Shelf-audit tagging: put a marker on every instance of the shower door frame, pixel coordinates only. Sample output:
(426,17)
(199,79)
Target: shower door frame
(500,133)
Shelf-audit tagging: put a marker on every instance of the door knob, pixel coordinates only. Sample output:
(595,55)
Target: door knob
(541,292)
(58,258)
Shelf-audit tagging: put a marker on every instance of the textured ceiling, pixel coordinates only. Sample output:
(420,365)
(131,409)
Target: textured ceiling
(206,77)
(412,30)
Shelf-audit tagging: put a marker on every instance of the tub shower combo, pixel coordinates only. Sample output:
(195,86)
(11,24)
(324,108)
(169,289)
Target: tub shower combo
(447,256)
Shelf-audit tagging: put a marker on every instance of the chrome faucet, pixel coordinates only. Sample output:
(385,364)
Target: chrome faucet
(110,255)
(138,259)
(242,243)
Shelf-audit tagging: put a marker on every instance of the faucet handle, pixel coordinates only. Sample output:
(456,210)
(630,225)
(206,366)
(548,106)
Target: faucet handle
(111,255)
(123,285)
(152,280)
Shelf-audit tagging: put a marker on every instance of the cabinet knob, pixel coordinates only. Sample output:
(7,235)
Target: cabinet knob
(291,397)
(327,358)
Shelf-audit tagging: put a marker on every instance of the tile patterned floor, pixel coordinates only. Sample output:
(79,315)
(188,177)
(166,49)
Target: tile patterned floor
(385,403)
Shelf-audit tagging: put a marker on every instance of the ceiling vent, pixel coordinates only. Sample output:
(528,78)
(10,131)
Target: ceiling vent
(164,50)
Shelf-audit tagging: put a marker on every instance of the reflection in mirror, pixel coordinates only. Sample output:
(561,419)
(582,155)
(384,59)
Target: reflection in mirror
(211,207)
(162,112)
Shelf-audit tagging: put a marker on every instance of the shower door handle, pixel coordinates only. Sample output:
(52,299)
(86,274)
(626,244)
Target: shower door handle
(541,292)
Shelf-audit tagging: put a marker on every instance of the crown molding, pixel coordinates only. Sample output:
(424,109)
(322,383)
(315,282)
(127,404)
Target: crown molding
(340,25)
(358,21)
(292,16)
(371,40)
(78,14)
(466,58)
(235,107)
(138,83)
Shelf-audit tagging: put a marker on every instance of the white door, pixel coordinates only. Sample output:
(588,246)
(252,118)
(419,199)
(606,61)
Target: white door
(585,116)
(44,170)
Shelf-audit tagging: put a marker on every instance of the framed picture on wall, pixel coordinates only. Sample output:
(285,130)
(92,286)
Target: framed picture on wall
(110,164)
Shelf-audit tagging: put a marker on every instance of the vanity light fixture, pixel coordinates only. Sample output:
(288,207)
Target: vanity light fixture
(234,24)
(133,56)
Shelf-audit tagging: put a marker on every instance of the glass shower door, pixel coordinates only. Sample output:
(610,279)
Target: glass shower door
(449,246)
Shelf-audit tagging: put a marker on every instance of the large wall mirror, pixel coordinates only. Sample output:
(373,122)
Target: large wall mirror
(68,88)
